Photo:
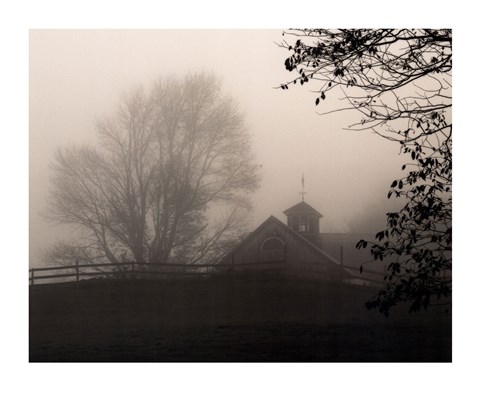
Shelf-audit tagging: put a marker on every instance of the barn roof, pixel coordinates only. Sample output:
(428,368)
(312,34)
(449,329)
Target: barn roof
(292,233)
(302,208)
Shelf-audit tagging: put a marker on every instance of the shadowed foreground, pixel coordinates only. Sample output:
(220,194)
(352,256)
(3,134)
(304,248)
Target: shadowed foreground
(220,320)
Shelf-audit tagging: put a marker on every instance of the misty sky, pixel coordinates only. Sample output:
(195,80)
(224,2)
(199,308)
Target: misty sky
(77,75)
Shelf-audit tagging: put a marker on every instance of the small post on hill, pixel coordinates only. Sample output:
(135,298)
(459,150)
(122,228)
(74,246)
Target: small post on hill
(341,264)
(33,275)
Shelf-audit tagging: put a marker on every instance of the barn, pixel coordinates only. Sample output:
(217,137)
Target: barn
(297,246)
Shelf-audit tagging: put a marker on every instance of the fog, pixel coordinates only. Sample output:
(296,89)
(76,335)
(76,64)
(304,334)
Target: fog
(76,76)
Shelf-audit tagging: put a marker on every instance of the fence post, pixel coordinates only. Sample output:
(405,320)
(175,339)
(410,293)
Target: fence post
(341,264)
(33,275)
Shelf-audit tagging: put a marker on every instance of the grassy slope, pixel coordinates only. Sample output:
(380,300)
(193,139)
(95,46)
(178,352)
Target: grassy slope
(225,320)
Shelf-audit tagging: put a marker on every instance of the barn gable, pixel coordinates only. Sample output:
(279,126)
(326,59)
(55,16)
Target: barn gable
(273,241)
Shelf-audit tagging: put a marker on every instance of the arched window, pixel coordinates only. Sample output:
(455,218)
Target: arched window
(272,243)
(273,249)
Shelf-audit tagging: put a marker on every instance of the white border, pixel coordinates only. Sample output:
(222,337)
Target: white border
(19,375)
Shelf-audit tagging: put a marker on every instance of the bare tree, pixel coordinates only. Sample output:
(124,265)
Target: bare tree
(169,180)
(399,82)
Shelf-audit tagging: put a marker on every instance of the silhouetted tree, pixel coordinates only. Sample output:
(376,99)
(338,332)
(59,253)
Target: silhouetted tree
(165,161)
(399,81)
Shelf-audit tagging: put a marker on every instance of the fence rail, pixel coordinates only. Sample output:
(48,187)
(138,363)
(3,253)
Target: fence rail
(135,269)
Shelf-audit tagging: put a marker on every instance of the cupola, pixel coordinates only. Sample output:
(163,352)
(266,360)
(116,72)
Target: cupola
(305,220)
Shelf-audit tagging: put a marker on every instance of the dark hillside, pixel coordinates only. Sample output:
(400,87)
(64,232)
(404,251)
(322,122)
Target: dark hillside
(274,319)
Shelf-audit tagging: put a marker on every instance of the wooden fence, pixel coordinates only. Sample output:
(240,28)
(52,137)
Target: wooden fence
(136,270)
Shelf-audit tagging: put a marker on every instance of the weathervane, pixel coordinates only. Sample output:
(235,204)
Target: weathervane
(303,188)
